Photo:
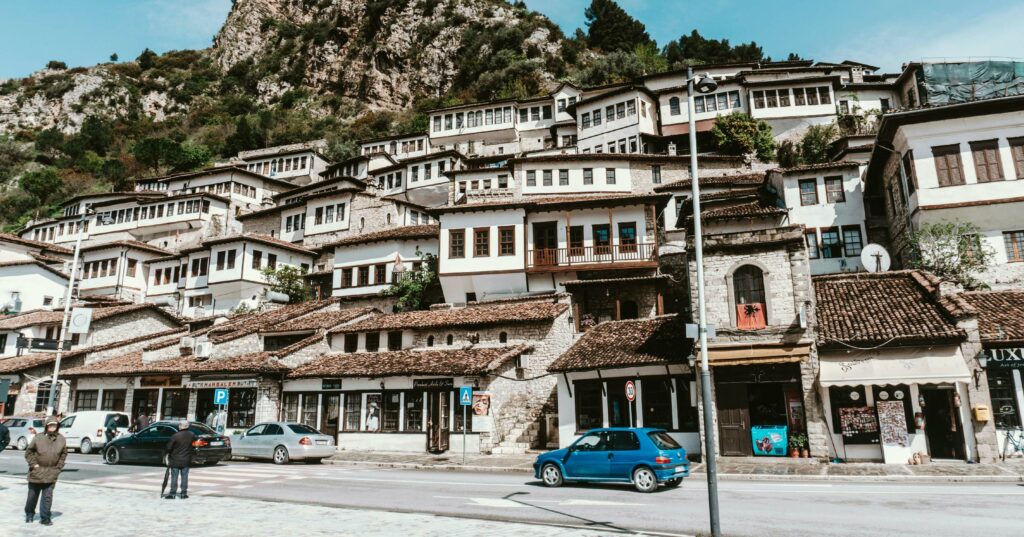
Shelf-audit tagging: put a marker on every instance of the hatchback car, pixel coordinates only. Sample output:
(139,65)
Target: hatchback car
(644,457)
(282,441)
(149,445)
(22,429)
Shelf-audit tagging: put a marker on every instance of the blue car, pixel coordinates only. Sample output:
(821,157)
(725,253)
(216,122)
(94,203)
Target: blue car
(644,457)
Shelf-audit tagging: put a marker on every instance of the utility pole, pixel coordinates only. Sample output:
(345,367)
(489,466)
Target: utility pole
(63,331)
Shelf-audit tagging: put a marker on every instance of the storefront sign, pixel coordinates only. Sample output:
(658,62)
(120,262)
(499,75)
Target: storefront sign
(159,381)
(330,384)
(1005,358)
(433,383)
(227,383)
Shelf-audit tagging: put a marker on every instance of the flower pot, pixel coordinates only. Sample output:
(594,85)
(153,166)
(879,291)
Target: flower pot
(805,453)
(794,452)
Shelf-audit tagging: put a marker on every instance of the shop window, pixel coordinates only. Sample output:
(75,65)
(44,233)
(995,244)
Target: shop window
(457,426)
(206,411)
(43,395)
(175,405)
(588,396)
(748,286)
(657,398)
(851,415)
(113,400)
(241,408)
(290,407)
(1004,401)
(898,392)
(310,402)
(86,400)
(686,409)
(353,407)
(413,411)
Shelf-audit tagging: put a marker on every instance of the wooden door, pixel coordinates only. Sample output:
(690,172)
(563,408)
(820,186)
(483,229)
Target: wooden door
(733,420)
(438,422)
(545,243)
(330,414)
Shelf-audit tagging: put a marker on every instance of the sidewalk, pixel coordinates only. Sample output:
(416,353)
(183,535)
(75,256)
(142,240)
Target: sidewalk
(88,510)
(1012,471)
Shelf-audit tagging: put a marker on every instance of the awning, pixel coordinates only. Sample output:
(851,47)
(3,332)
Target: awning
(880,371)
(757,354)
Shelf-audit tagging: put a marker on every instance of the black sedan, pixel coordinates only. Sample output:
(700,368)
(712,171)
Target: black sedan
(149,445)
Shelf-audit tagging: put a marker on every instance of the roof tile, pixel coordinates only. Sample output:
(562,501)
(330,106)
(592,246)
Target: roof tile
(448,362)
(654,341)
(473,315)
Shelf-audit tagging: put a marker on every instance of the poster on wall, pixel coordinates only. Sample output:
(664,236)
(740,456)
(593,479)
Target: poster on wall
(858,425)
(769,440)
(892,420)
(373,409)
(481,404)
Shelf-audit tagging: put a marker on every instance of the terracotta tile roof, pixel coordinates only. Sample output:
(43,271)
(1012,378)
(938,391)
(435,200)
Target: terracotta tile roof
(474,315)
(752,209)
(48,259)
(249,323)
(39,264)
(813,167)
(729,194)
(9,237)
(746,179)
(46,317)
(1000,316)
(260,238)
(395,233)
(25,362)
(128,244)
(36,359)
(318,320)
(655,341)
(627,279)
(449,362)
(890,308)
(132,364)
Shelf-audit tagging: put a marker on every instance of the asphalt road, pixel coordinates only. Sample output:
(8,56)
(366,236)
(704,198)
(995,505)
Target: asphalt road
(749,508)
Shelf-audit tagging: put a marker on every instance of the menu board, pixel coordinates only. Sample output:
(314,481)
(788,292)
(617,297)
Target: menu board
(858,425)
(892,419)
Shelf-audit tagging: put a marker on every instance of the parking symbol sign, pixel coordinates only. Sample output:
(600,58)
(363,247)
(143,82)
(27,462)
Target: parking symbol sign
(220,396)
(466,395)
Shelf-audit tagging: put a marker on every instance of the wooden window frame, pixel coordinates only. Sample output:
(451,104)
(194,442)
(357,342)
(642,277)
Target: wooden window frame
(842,191)
(800,189)
(506,248)
(808,233)
(987,149)
(485,251)
(1014,248)
(1016,154)
(452,234)
(943,153)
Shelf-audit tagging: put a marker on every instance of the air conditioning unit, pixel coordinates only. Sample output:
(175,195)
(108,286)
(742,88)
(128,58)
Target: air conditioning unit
(523,361)
(187,341)
(204,349)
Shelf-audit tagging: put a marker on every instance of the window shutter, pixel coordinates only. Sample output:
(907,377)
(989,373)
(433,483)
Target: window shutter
(1017,150)
(941,170)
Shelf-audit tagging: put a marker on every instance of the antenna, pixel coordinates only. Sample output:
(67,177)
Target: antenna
(875,258)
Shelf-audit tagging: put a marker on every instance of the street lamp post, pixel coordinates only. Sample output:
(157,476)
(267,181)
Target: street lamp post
(704,85)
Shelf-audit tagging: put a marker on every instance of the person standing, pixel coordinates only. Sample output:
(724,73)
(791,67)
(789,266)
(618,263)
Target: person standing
(111,428)
(5,437)
(142,421)
(45,456)
(179,457)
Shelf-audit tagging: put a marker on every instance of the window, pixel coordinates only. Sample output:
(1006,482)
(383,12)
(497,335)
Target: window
(535,113)
(631,108)
(620,110)
(380,274)
(503,181)
(563,177)
(585,121)
(834,190)
(395,340)
(602,239)
(588,176)
(1004,400)
(449,340)
(627,237)
(825,95)
(351,342)
(808,192)
(812,96)
(771,98)
(609,176)
(698,103)
(589,405)
(561,105)
(831,244)
(364,276)
(656,174)
(885,105)
(346,277)
(986,161)
(113,400)
(1014,241)
(908,168)
(257,259)
(353,410)
(372,341)
(673,106)
(811,239)
(86,400)
(844,107)
(220,260)
(597,117)
(748,287)
(272,261)
(241,408)
(576,240)
(759,99)
(507,240)
(547,111)
(948,167)
(852,243)
(1016,151)
(456,243)
(548,178)
(531,178)
(341,212)
(413,411)
(657,398)
(482,242)
(448,122)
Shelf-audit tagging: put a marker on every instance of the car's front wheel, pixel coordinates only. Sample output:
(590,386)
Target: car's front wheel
(86,447)
(111,456)
(552,475)
(644,480)
(674,482)
(280,455)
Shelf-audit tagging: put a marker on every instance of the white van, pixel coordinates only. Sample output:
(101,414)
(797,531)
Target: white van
(85,431)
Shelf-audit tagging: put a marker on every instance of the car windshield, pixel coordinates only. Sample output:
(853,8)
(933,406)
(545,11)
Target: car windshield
(298,428)
(663,440)
(8,423)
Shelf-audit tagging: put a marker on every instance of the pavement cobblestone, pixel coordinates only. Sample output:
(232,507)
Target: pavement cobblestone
(88,510)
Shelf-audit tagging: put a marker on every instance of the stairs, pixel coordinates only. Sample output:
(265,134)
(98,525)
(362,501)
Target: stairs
(519,440)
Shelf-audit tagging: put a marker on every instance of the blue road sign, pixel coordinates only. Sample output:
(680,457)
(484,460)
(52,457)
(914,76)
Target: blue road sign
(220,396)
(466,395)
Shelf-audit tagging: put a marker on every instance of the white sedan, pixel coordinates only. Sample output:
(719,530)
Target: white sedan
(282,442)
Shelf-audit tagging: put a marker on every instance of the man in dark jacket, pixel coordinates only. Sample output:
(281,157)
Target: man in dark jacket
(179,456)
(5,437)
(142,421)
(45,456)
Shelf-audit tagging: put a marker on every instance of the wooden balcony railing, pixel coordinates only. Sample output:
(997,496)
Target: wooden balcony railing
(591,255)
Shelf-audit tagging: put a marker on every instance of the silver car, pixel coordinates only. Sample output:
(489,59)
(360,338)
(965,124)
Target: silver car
(282,441)
(22,429)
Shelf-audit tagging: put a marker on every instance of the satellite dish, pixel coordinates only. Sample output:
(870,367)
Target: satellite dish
(875,258)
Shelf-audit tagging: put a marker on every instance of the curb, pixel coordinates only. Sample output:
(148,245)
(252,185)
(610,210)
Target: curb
(727,477)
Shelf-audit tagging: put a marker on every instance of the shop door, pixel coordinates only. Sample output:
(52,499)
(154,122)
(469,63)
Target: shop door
(330,412)
(733,420)
(942,424)
(438,427)
(545,244)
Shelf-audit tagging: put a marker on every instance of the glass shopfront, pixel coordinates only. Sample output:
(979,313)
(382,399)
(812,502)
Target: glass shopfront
(760,408)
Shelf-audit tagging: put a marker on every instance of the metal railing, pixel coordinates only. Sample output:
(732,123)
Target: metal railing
(591,255)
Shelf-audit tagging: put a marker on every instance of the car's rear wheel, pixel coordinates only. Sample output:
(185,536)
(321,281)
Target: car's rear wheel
(22,443)
(280,455)
(111,456)
(644,480)
(551,474)
(86,447)
(674,482)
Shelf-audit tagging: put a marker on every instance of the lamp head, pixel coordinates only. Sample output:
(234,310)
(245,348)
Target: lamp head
(706,84)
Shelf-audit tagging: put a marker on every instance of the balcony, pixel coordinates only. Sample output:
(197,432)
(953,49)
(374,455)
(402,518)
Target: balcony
(618,256)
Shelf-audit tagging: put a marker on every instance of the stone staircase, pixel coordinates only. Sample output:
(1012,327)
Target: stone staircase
(519,440)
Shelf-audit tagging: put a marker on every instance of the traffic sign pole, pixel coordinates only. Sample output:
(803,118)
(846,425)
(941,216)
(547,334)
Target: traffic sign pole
(464,435)
(465,399)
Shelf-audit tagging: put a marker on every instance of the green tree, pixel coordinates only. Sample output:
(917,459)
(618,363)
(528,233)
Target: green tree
(113,57)
(290,281)
(612,68)
(650,59)
(815,143)
(695,49)
(56,64)
(49,141)
(96,135)
(12,156)
(189,156)
(610,28)
(44,185)
(416,288)
(244,138)
(155,152)
(147,60)
(953,251)
(740,134)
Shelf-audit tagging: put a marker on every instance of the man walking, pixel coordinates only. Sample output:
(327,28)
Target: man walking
(179,457)
(5,437)
(142,421)
(110,429)
(45,456)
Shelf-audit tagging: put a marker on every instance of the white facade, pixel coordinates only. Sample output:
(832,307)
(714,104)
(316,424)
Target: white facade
(368,269)
(28,286)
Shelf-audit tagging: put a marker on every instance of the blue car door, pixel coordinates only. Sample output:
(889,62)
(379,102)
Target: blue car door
(624,454)
(588,457)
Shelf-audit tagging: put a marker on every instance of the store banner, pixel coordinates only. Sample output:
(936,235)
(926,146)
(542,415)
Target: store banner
(770,440)
(1005,358)
(227,383)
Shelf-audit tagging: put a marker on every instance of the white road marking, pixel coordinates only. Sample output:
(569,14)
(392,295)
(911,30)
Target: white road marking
(422,482)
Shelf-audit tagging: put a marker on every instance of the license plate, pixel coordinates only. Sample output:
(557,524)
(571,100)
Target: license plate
(321,442)
(216,444)
(680,469)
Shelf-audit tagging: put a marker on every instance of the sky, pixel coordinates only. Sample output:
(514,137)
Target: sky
(877,32)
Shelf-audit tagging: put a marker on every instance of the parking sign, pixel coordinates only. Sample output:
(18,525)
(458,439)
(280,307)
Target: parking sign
(220,396)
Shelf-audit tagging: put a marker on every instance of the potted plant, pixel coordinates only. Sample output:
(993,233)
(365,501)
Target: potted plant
(805,450)
(794,447)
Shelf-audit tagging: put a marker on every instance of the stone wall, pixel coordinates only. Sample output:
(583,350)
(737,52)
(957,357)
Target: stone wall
(133,324)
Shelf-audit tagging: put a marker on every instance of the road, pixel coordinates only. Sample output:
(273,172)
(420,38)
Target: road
(749,508)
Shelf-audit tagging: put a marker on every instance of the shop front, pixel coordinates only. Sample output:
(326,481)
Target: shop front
(760,409)
(243,410)
(1005,369)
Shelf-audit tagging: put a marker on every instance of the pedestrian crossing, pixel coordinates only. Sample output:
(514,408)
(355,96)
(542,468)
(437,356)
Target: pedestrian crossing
(206,480)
